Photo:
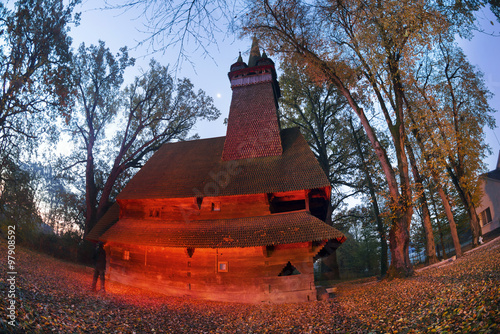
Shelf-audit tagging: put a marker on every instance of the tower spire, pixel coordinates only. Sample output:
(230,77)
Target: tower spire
(254,53)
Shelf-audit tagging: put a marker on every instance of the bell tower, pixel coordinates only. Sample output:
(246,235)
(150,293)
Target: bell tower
(253,129)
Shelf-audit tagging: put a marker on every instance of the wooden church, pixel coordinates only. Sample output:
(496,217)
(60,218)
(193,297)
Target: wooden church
(238,218)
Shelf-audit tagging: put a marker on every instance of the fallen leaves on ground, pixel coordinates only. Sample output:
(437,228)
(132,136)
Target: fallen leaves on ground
(461,297)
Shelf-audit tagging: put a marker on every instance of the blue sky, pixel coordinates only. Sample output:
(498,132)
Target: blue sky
(483,51)
(210,73)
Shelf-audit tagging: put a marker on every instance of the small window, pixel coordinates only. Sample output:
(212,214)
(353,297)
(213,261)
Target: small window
(199,201)
(281,204)
(486,216)
(269,250)
(126,255)
(215,206)
(222,267)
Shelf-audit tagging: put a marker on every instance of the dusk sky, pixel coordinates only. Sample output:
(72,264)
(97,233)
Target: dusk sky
(209,73)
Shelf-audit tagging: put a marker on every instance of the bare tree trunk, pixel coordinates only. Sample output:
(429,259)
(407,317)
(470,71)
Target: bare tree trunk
(376,211)
(430,247)
(440,230)
(451,220)
(399,239)
(444,198)
(104,202)
(441,239)
(90,192)
(384,265)
(469,206)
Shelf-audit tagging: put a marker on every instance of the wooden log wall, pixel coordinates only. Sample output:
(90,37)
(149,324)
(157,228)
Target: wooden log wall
(182,209)
(208,208)
(251,276)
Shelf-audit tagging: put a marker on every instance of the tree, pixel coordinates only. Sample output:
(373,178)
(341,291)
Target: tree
(430,247)
(98,77)
(34,89)
(198,24)
(366,160)
(320,112)
(363,48)
(337,41)
(429,167)
(17,201)
(317,109)
(34,55)
(454,93)
(149,112)
(184,27)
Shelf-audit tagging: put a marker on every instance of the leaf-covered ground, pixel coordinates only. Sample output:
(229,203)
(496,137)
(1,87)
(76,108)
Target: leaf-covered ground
(459,297)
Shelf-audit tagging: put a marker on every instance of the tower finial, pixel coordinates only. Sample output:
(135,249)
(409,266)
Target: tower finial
(240,60)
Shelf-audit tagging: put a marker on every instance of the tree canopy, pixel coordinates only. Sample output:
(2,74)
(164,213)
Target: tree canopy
(367,50)
(149,112)
(34,57)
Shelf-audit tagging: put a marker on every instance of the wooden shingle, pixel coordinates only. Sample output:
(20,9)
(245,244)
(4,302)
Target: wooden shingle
(196,169)
(269,230)
(110,217)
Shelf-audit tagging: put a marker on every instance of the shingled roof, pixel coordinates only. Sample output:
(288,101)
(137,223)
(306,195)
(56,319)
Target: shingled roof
(110,217)
(224,233)
(195,168)
(494,175)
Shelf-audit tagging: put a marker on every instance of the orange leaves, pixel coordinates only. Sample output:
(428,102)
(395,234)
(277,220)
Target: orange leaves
(460,297)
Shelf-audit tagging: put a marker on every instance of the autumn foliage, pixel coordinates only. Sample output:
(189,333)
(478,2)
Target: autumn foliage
(457,297)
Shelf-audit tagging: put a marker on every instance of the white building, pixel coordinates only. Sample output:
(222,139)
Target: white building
(489,208)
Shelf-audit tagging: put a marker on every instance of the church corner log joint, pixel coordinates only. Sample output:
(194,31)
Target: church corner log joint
(239,218)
